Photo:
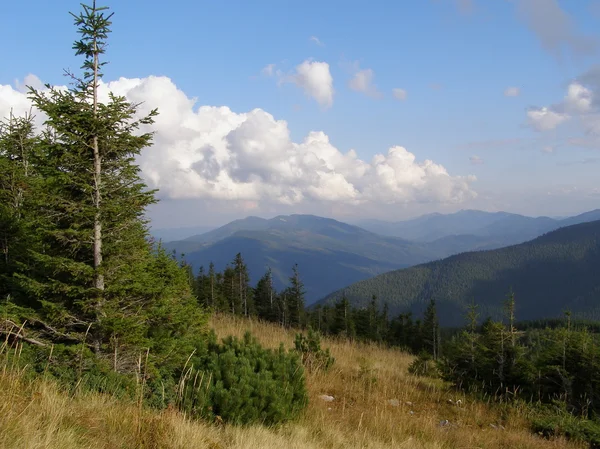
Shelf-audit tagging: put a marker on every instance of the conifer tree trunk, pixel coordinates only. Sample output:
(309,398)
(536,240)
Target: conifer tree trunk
(99,280)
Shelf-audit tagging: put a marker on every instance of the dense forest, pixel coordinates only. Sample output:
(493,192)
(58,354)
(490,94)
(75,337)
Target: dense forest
(553,272)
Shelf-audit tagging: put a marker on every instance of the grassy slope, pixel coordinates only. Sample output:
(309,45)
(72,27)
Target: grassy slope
(38,415)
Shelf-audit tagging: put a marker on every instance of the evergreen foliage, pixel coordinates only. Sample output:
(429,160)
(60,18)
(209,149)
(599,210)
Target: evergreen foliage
(241,382)
(313,356)
(78,271)
(558,270)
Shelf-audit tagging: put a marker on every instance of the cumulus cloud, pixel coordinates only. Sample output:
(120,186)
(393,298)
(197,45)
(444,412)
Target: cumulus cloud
(362,81)
(399,94)
(512,92)
(315,79)
(579,102)
(29,81)
(554,28)
(249,159)
(544,119)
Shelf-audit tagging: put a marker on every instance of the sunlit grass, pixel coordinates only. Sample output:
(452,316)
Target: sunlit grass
(365,377)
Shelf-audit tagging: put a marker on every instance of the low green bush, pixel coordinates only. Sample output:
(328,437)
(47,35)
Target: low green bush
(313,356)
(424,365)
(241,382)
(553,421)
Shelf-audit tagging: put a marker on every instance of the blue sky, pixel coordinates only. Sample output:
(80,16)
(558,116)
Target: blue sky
(454,59)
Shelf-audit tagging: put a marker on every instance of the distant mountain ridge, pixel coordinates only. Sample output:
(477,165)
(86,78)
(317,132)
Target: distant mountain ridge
(332,254)
(557,271)
(508,227)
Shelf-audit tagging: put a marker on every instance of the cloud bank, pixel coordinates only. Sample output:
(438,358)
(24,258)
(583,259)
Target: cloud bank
(249,159)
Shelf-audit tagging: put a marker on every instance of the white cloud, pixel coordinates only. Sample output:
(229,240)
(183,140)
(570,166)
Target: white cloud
(512,92)
(578,99)
(29,81)
(476,160)
(315,79)
(399,94)
(578,102)
(15,101)
(544,119)
(362,81)
(247,159)
(317,41)
(548,149)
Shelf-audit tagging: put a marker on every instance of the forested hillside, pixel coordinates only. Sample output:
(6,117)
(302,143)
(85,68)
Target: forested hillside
(331,254)
(555,272)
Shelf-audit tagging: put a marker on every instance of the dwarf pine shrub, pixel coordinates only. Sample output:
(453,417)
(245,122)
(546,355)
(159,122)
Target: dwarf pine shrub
(313,356)
(241,382)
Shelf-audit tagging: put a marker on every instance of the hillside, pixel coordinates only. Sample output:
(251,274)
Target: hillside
(557,271)
(38,413)
(330,254)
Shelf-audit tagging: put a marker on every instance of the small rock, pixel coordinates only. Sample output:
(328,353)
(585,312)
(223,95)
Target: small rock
(326,398)
(394,402)
(493,426)
(411,412)
(410,404)
(444,423)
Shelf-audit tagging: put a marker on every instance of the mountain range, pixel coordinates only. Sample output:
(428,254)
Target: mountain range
(506,228)
(557,271)
(331,254)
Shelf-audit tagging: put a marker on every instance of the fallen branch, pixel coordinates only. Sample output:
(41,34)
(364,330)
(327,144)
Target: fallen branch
(21,337)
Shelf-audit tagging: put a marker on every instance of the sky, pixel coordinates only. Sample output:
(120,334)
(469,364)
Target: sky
(343,109)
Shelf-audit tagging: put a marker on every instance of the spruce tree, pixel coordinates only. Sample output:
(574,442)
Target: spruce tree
(93,275)
(431,329)
(18,184)
(296,294)
(265,296)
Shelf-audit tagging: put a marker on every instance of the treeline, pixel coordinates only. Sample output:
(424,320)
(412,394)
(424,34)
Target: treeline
(230,291)
(553,364)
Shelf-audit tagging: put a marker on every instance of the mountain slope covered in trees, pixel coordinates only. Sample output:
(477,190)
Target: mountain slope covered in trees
(330,254)
(557,271)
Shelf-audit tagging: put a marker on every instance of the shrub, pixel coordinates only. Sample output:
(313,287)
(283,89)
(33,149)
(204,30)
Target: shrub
(241,382)
(313,356)
(557,421)
(424,365)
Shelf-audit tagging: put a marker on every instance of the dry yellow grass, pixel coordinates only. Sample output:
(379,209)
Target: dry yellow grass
(37,414)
